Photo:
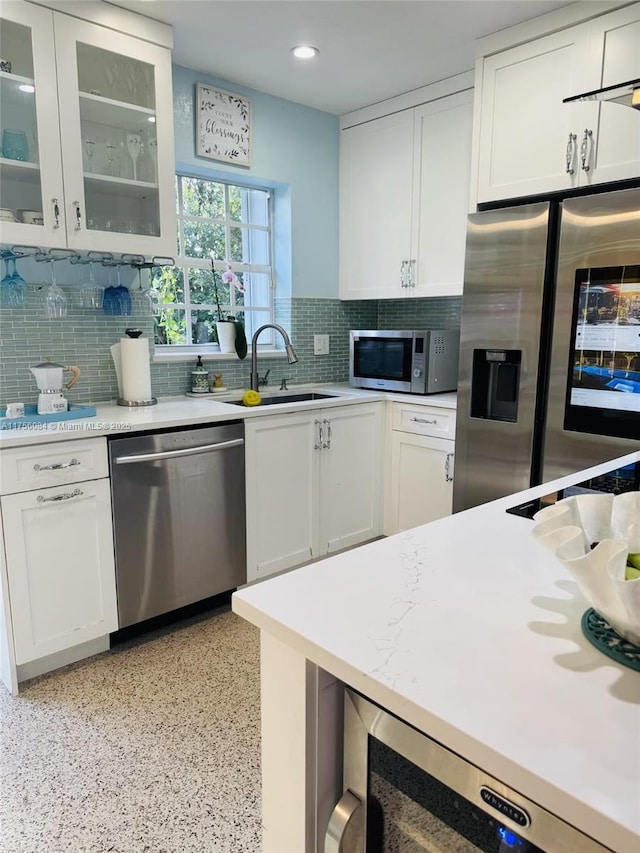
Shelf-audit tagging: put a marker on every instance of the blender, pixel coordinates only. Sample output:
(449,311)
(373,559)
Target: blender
(50,381)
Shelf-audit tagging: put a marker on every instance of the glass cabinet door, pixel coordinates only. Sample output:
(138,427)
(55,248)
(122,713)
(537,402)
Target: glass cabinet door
(31,208)
(116,116)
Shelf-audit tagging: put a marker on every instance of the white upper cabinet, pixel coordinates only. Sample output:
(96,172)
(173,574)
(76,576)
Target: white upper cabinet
(404,199)
(530,142)
(615,47)
(90,148)
(30,170)
(376,186)
(443,130)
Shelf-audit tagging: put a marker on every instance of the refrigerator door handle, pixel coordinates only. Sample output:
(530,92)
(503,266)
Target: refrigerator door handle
(571,153)
(585,149)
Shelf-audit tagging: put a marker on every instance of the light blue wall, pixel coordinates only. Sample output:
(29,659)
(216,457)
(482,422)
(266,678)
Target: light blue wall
(294,151)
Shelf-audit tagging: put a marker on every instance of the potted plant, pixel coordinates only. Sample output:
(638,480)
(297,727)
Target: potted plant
(229,329)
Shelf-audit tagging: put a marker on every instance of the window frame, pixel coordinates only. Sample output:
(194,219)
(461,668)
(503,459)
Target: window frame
(186,263)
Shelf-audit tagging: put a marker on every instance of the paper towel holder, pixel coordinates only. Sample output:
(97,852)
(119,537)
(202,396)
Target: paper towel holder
(134,404)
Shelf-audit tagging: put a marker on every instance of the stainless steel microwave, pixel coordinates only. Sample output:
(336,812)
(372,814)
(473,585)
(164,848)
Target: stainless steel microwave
(415,362)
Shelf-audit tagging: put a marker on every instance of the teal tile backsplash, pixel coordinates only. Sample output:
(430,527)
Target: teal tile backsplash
(84,337)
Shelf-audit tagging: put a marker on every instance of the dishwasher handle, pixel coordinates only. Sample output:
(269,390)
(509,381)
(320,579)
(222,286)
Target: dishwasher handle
(176,454)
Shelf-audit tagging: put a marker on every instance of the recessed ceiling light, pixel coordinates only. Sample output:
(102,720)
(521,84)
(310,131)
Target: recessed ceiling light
(304,51)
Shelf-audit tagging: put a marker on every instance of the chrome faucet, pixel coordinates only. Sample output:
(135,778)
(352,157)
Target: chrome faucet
(291,353)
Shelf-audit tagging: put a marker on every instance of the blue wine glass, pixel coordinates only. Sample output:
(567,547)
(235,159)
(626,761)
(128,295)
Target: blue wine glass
(6,290)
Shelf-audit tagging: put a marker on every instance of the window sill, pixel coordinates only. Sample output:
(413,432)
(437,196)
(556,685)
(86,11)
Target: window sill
(170,357)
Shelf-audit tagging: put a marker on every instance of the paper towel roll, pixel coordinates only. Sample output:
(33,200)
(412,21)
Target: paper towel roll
(117,363)
(136,371)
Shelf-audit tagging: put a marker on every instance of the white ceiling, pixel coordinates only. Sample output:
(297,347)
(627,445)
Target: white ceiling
(369,49)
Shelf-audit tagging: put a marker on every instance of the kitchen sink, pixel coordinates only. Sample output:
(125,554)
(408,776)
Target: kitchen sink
(274,399)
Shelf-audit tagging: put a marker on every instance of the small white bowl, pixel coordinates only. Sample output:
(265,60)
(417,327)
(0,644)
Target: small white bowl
(7,215)
(30,217)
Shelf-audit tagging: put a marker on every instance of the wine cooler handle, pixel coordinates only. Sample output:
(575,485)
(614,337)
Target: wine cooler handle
(347,806)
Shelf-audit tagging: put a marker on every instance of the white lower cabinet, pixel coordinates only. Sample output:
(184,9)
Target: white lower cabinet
(313,484)
(421,480)
(60,566)
(420,466)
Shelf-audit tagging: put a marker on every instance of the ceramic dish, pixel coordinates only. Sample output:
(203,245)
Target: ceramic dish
(593,536)
(7,215)
(30,217)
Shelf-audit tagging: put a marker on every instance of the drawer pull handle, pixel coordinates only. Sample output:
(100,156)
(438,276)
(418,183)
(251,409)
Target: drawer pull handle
(57,466)
(65,496)
(423,421)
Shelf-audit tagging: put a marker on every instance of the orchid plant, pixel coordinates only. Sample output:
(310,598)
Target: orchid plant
(230,278)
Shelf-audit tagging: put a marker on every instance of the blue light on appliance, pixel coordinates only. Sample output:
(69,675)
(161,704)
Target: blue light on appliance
(508,838)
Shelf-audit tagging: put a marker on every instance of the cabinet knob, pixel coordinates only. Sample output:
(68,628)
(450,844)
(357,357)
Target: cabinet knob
(571,153)
(585,149)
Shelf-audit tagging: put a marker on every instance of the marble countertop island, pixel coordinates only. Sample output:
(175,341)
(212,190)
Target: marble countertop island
(470,631)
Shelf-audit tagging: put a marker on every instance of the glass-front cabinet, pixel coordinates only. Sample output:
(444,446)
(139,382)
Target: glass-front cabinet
(31,191)
(87,136)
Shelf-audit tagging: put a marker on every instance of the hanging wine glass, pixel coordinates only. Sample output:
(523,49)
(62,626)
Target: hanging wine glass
(19,287)
(55,302)
(133,147)
(123,297)
(90,294)
(89,150)
(6,286)
(152,296)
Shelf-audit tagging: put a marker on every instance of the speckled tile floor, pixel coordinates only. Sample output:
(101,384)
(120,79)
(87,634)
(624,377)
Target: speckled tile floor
(151,748)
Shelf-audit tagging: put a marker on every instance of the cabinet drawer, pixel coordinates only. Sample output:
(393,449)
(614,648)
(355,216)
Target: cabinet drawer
(37,466)
(424,420)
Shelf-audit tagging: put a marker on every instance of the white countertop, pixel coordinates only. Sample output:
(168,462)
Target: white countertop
(469,630)
(183,411)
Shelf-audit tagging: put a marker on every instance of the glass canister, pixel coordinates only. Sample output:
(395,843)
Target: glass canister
(199,378)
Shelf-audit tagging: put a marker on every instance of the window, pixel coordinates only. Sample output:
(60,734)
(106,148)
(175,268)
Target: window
(226,223)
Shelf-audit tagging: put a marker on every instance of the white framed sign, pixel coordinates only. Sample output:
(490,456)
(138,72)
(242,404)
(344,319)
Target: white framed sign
(223,129)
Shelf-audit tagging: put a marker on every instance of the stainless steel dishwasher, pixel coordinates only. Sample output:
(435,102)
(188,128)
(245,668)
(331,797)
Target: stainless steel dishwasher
(179,518)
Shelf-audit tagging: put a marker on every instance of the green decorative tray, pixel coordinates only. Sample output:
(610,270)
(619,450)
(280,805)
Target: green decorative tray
(601,635)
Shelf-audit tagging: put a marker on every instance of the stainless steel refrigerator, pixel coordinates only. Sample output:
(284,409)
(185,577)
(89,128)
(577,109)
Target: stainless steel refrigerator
(549,378)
